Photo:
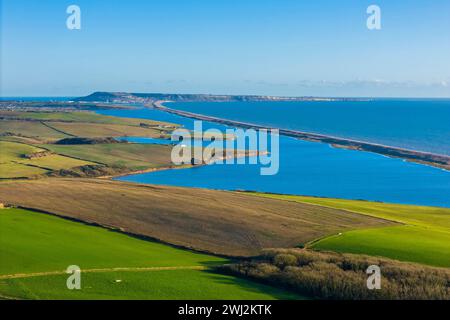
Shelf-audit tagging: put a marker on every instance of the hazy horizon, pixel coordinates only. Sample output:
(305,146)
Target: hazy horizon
(230,94)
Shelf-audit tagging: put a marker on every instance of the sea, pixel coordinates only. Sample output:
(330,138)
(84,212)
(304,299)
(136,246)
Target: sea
(317,169)
(417,124)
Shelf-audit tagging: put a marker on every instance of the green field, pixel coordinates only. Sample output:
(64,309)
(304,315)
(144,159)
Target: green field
(32,242)
(424,236)
(51,126)
(131,155)
(33,129)
(228,223)
(78,116)
(11,151)
(14,164)
(153,285)
(22,133)
(17,170)
(94,130)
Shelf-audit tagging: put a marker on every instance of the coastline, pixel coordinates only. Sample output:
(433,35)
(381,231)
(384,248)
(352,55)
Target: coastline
(238,154)
(425,158)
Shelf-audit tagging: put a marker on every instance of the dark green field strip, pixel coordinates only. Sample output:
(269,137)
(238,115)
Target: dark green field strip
(33,245)
(151,285)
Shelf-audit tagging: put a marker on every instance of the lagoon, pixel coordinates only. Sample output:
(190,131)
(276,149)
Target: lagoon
(309,168)
(418,124)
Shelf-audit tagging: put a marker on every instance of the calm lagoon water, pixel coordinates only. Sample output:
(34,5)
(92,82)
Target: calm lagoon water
(309,168)
(414,124)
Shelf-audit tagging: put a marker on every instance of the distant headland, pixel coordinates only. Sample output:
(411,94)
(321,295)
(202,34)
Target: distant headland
(156,100)
(125,97)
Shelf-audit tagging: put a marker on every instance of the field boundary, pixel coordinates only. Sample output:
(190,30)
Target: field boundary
(57,130)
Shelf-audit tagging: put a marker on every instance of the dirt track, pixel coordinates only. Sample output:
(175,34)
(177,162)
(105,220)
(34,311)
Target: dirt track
(133,269)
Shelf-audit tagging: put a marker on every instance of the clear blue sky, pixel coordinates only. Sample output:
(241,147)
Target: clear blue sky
(279,47)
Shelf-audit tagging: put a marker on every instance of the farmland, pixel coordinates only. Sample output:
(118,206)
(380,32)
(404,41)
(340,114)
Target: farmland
(77,116)
(136,241)
(50,126)
(226,223)
(423,237)
(131,155)
(30,129)
(14,164)
(33,242)
(26,132)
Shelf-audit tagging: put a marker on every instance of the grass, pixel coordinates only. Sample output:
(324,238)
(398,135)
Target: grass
(93,130)
(406,243)
(424,237)
(154,285)
(17,170)
(28,132)
(223,222)
(13,164)
(11,151)
(25,140)
(55,162)
(76,116)
(10,154)
(30,129)
(50,126)
(131,155)
(34,242)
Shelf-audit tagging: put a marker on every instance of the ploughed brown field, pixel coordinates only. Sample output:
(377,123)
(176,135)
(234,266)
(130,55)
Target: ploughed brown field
(220,222)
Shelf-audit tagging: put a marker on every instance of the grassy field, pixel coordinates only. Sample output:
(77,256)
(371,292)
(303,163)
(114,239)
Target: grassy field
(11,151)
(223,222)
(33,129)
(153,285)
(17,170)
(424,236)
(27,132)
(50,126)
(33,242)
(55,162)
(73,116)
(13,164)
(103,130)
(132,155)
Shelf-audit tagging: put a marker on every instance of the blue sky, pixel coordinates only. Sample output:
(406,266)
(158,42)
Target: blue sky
(277,47)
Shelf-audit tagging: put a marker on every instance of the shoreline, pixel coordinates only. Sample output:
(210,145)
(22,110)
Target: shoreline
(424,158)
(237,155)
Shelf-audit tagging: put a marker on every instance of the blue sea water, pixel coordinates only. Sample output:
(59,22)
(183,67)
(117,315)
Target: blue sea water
(314,168)
(308,168)
(421,124)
